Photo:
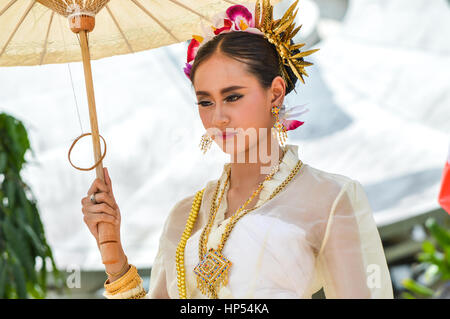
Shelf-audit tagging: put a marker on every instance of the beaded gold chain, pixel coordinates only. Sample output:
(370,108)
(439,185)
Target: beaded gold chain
(212,269)
(191,220)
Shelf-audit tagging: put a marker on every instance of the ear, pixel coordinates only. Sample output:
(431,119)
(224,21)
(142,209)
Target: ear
(278,91)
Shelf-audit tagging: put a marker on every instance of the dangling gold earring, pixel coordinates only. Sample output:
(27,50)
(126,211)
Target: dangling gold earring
(281,130)
(205,142)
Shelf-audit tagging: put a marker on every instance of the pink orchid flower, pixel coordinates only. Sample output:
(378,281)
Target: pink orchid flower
(227,24)
(187,69)
(241,16)
(193,47)
(287,117)
(235,18)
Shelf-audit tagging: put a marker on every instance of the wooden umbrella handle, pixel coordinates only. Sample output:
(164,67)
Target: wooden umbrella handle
(108,240)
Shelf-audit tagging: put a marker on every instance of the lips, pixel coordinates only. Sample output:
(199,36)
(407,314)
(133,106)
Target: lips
(227,134)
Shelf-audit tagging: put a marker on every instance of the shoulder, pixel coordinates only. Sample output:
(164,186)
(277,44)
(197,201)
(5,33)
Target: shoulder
(326,182)
(340,193)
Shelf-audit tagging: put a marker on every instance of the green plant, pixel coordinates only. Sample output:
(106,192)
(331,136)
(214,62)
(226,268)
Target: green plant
(435,262)
(22,237)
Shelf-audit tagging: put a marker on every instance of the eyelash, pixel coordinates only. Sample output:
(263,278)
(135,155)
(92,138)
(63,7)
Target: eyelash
(238,96)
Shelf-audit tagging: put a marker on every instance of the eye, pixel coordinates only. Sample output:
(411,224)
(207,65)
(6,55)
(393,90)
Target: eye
(202,103)
(231,98)
(234,97)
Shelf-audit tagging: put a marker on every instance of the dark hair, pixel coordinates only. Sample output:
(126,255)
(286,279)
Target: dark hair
(260,56)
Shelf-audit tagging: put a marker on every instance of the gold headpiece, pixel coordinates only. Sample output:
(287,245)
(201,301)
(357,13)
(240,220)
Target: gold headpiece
(278,32)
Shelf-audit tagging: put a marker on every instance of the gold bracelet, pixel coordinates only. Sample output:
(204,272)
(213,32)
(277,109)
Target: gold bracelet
(126,294)
(139,295)
(124,280)
(135,282)
(120,271)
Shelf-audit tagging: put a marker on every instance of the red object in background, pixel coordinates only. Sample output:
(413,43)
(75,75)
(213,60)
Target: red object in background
(444,194)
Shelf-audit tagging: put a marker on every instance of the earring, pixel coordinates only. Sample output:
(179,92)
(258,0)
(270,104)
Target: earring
(279,127)
(205,142)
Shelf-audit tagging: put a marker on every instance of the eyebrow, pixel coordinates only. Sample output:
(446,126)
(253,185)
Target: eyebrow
(224,90)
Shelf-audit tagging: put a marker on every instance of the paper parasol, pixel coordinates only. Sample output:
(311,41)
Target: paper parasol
(36,32)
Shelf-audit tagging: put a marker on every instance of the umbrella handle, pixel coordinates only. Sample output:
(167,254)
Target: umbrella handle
(108,240)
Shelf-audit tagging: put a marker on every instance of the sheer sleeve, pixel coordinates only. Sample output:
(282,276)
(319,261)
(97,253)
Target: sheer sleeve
(157,287)
(351,260)
(163,276)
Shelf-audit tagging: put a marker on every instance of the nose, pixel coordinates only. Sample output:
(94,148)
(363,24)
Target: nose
(220,118)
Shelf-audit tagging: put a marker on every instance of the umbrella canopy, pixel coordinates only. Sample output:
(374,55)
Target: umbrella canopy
(35,32)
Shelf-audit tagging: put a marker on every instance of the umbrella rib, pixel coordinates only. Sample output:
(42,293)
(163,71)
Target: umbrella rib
(30,6)
(232,2)
(7,6)
(190,9)
(139,5)
(46,38)
(120,29)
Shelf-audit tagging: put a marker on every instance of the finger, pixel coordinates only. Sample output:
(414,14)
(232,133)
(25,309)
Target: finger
(92,228)
(100,198)
(94,219)
(108,180)
(97,186)
(100,209)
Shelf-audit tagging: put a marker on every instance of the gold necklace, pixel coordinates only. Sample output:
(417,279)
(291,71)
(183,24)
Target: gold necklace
(190,223)
(212,269)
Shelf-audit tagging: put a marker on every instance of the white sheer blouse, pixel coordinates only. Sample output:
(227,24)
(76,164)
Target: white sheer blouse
(318,231)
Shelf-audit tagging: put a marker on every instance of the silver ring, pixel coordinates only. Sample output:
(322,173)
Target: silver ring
(93,199)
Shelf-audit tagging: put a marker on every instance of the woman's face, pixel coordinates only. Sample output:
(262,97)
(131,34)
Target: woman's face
(231,100)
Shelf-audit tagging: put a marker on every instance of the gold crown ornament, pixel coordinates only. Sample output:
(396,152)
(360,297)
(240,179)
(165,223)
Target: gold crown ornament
(258,20)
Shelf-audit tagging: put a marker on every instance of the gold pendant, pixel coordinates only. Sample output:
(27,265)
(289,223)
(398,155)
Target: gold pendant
(211,272)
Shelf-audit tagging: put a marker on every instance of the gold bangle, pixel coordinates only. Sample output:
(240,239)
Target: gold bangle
(122,287)
(120,271)
(124,280)
(130,285)
(126,294)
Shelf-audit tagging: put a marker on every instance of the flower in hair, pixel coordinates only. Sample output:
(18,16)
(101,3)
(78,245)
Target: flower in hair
(235,18)
(259,20)
(288,117)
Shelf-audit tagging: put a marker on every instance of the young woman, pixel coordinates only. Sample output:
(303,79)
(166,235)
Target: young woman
(282,230)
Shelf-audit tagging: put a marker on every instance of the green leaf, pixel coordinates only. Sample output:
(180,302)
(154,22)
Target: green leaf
(22,137)
(3,162)
(424,257)
(407,295)
(35,291)
(417,288)
(18,246)
(19,279)
(428,247)
(34,239)
(43,275)
(10,191)
(441,235)
(10,126)
(3,266)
